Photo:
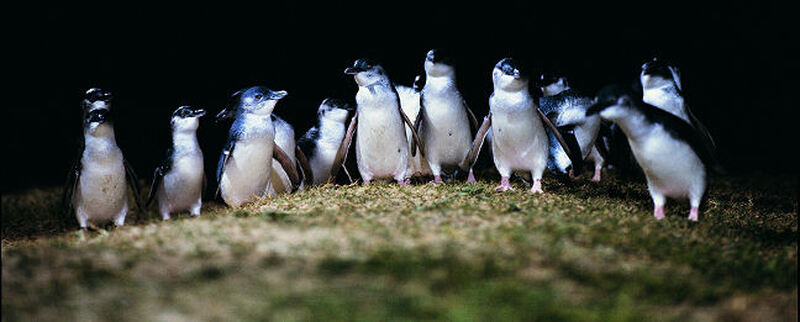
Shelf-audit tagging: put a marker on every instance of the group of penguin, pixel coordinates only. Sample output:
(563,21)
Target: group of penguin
(559,129)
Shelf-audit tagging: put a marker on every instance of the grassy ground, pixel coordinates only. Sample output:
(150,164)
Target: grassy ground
(582,251)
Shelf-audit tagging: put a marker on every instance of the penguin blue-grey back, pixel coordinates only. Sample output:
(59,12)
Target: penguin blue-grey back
(566,108)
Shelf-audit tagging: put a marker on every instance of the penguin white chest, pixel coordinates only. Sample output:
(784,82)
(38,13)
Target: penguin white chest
(325,152)
(519,141)
(183,185)
(102,190)
(381,146)
(445,128)
(670,165)
(247,171)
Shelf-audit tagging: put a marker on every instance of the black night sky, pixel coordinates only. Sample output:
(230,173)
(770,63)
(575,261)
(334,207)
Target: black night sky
(734,58)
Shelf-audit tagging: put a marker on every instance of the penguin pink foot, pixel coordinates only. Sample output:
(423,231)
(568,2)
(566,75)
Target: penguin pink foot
(659,212)
(401,183)
(505,185)
(436,180)
(537,187)
(366,182)
(596,177)
(471,177)
(693,214)
(572,175)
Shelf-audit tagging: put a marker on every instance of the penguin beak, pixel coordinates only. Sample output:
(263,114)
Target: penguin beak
(199,112)
(224,115)
(351,70)
(278,95)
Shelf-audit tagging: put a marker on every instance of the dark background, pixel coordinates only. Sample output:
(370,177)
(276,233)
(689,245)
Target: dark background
(734,58)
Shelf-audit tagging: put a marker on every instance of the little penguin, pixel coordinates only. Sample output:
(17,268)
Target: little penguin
(322,141)
(444,121)
(280,181)
(97,184)
(179,182)
(668,149)
(566,108)
(519,141)
(382,151)
(410,104)
(245,165)
(661,87)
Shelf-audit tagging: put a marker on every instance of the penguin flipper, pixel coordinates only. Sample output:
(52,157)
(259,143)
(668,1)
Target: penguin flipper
(707,138)
(576,157)
(558,135)
(134,184)
(158,175)
(472,119)
(287,164)
(70,187)
(308,174)
(341,155)
(472,156)
(223,159)
(413,132)
(417,125)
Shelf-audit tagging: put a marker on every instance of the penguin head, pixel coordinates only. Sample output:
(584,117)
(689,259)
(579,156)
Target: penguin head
(552,84)
(334,109)
(255,100)
(96,98)
(367,72)
(658,73)
(97,122)
(438,63)
(186,118)
(613,103)
(509,76)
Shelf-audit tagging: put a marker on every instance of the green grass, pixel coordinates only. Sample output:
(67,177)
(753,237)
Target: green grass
(582,251)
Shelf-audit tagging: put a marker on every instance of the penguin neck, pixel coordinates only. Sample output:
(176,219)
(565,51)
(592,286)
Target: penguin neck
(634,125)
(185,141)
(330,126)
(256,126)
(514,95)
(101,143)
(439,83)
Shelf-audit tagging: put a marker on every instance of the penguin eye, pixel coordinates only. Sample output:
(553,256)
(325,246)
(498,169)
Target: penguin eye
(259,96)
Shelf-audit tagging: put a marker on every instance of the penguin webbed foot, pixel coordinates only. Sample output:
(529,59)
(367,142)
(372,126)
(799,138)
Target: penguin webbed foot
(694,214)
(505,185)
(658,212)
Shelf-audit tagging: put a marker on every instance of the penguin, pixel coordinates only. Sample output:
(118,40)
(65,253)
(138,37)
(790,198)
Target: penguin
(566,108)
(179,182)
(96,99)
(444,121)
(280,182)
(410,104)
(669,150)
(321,142)
(245,165)
(661,87)
(519,141)
(382,151)
(98,183)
